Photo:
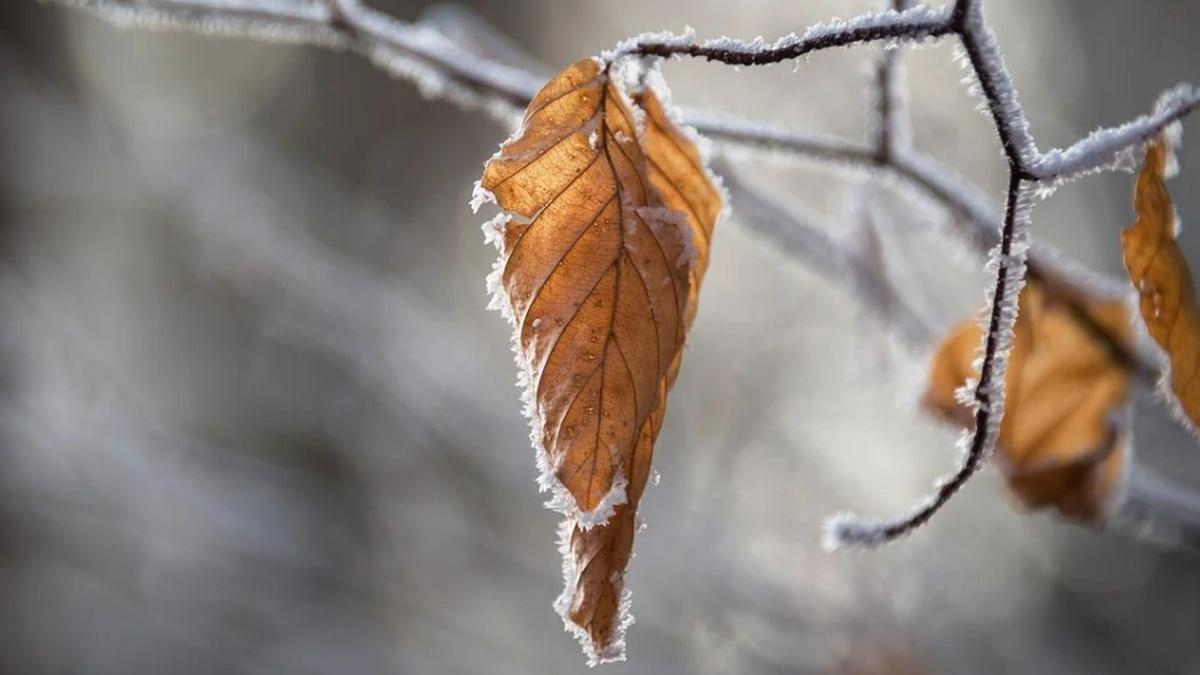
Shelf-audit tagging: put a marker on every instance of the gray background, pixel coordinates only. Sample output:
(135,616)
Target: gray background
(254,417)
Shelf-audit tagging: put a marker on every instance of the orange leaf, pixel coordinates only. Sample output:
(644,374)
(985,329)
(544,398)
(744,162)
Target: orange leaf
(1160,273)
(1059,442)
(602,249)
(677,172)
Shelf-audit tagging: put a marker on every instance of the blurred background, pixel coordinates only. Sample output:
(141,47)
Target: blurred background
(254,417)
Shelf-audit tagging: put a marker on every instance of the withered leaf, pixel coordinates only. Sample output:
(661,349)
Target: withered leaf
(602,251)
(677,172)
(1160,273)
(1061,441)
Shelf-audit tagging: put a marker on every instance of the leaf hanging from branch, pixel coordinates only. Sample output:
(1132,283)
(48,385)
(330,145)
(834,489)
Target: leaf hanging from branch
(1163,281)
(603,243)
(1062,442)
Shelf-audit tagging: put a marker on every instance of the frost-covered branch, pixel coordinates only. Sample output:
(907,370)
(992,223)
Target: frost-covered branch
(988,398)
(1101,148)
(890,126)
(439,67)
(995,84)
(918,23)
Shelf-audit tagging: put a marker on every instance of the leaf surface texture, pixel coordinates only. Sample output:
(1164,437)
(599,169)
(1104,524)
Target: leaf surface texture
(1159,272)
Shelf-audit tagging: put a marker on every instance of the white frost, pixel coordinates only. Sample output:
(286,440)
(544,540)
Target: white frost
(654,81)
(1008,112)
(848,529)
(1102,148)
(615,651)
(560,499)
(925,18)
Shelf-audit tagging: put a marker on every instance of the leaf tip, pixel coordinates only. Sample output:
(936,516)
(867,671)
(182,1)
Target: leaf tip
(480,196)
(606,645)
(843,530)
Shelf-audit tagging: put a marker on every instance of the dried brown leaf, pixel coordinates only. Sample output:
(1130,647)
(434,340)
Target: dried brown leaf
(677,171)
(1163,281)
(1060,443)
(602,251)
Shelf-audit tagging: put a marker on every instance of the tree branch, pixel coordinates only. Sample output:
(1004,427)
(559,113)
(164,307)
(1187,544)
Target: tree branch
(890,126)
(919,23)
(1009,260)
(1099,149)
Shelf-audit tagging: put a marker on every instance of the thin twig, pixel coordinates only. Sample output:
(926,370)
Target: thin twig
(847,529)
(918,23)
(996,86)
(891,119)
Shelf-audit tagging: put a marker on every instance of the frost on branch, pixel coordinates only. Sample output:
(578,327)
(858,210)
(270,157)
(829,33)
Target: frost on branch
(994,85)
(264,20)
(439,67)
(919,23)
(1065,439)
(1111,148)
(1008,262)
(607,215)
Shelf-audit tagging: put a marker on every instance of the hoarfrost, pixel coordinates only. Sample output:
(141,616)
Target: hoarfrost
(920,22)
(615,651)
(1001,101)
(653,80)
(678,41)
(977,444)
(1101,149)
(669,225)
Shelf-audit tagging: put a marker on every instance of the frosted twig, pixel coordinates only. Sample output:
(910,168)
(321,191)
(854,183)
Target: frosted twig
(439,67)
(995,84)
(918,23)
(890,126)
(1009,260)
(1102,147)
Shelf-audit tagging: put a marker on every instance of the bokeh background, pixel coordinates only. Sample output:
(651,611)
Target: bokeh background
(254,417)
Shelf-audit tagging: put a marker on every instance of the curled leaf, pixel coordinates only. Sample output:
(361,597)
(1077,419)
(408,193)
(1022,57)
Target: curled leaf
(679,174)
(601,258)
(1062,442)
(1160,274)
